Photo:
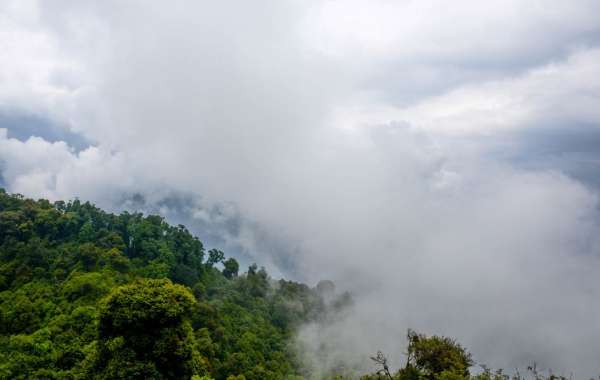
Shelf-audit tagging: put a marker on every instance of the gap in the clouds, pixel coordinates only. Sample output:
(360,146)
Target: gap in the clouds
(573,150)
(22,126)
(404,83)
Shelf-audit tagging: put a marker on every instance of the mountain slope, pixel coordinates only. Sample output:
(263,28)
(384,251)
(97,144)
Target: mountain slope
(61,264)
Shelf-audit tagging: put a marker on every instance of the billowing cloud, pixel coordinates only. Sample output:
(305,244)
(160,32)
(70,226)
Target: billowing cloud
(394,147)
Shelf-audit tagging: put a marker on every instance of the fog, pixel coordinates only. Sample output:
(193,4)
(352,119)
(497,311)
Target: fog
(396,148)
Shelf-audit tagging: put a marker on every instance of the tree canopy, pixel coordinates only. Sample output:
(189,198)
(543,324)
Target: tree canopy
(145,332)
(89,294)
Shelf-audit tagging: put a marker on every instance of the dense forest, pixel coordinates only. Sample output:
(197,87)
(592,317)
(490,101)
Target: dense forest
(86,294)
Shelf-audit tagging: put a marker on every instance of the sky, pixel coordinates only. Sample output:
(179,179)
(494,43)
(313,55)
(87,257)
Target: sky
(440,161)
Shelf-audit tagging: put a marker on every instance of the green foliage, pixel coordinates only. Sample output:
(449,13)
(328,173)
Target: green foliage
(215,256)
(428,358)
(144,332)
(87,294)
(442,358)
(438,357)
(231,268)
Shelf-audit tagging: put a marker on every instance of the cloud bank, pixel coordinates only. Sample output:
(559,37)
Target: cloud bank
(437,162)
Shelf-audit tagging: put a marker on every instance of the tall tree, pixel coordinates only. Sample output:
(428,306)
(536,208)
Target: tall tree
(144,332)
(231,268)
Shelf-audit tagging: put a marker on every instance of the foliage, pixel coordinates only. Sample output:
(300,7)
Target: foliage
(442,358)
(428,358)
(145,327)
(88,294)
(438,357)
(231,268)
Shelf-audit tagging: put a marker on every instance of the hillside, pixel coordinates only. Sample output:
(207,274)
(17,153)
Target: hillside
(58,261)
(86,294)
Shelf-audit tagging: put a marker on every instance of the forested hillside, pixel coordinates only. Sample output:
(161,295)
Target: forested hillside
(86,294)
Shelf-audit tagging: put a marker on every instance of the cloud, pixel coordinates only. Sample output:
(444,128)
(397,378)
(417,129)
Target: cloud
(56,171)
(465,33)
(558,94)
(37,77)
(22,126)
(391,147)
(402,51)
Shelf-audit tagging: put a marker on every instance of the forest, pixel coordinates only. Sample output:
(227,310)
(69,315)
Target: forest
(86,294)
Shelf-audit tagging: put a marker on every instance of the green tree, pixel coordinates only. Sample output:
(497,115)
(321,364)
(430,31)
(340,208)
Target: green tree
(231,268)
(437,357)
(59,261)
(144,332)
(215,256)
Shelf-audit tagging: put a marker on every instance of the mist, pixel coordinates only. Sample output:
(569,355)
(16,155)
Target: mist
(392,147)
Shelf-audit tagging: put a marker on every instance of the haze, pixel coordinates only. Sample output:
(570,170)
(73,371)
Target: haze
(438,160)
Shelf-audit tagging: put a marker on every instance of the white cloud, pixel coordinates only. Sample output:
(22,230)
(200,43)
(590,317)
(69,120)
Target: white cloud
(461,33)
(342,136)
(556,94)
(35,75)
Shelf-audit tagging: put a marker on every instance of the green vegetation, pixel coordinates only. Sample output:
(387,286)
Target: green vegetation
(86,294)
(442,358)
(428,358)
(145,332)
